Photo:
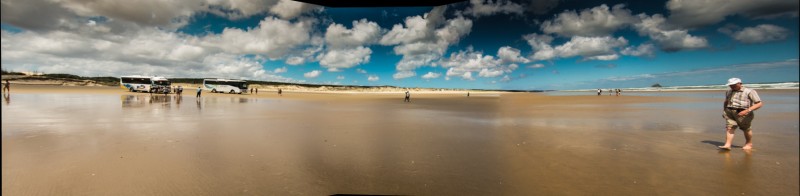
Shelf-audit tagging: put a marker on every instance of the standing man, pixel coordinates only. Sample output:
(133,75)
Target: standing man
(599,91)
(251,91)
(408,97)
(740,102)
(280,92)
(7,87)
(199,91)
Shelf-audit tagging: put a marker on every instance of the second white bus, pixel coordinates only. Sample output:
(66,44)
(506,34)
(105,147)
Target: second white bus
(225,86)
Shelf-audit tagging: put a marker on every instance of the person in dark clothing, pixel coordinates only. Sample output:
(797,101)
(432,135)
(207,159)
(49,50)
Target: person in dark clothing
(7,87)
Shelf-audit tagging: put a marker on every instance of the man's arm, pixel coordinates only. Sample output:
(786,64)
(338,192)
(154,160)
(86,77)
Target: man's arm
(756,99)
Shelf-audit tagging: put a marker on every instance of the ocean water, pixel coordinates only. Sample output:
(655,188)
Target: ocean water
(774,85)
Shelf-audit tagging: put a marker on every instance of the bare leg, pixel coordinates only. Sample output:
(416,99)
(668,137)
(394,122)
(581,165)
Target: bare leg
(748,135)
(729,133)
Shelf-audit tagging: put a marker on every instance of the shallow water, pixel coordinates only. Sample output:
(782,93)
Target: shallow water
(78,144)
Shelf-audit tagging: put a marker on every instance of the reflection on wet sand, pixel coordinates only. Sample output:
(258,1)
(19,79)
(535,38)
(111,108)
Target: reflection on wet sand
(198,104)
(738,172)
(506,145)
(7,98)
(143,100)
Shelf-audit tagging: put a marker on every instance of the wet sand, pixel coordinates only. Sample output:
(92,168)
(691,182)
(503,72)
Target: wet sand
(105,141)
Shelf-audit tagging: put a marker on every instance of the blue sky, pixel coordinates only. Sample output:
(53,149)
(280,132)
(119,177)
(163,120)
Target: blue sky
(513,45)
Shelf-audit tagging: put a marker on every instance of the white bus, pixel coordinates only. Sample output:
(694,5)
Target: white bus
(144,83)
(225,86)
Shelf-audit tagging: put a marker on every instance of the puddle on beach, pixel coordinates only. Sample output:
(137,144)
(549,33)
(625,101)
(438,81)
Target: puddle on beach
(143,145)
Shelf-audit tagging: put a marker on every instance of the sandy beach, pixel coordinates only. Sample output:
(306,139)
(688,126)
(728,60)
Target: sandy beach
(61,140)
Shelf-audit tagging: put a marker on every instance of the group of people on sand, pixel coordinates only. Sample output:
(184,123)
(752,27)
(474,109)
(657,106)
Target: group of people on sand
(178,90)
(610,91)
(280,92)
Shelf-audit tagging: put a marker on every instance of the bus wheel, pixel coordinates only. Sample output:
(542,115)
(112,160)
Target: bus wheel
(232,92)
(213,90)
(131,89)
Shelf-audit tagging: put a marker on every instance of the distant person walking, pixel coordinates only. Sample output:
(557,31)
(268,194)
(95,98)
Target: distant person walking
(199,91)
(599,91)
(251,90)
(256,91)
(408,97)
(280,92)
(740,102)
(467,94)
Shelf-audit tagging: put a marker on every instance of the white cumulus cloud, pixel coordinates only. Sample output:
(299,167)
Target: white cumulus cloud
(273,37)
(669,40)
(508,54)
(468,61)
(424,39)
(641,50)
(288,9)
(536,66)
(691,14)
(373,78)
(363,33)
(312,74)
(590,48)
(345,58)
(597,21)
(761,33)
(404,74)
(295,60)
(480,8)
(431,75)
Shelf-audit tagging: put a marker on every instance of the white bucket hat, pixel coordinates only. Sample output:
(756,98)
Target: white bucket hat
(733,81)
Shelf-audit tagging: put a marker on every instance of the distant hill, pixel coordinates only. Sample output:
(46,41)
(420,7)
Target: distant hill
(75,80)
(60,79)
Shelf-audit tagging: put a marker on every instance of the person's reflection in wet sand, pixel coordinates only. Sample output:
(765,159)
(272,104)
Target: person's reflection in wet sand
(738,173)
(178,100)
(198,105)
(7,98)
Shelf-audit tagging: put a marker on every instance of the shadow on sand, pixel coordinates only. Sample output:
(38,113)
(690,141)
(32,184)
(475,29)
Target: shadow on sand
(718,143)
